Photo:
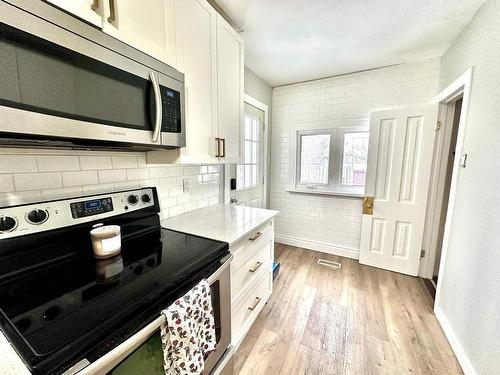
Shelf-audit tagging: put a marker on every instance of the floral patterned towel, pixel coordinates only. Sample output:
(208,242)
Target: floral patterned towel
(188,334)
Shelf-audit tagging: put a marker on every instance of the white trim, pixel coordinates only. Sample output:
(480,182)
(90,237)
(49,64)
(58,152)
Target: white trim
(343,251)
(338,193)
(459,351)
(442,143)
(462,84)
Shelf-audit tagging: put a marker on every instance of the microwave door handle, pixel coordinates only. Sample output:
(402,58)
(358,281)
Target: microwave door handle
(158,105)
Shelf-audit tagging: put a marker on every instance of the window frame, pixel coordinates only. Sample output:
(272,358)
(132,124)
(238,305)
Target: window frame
(336,161)
(257,164)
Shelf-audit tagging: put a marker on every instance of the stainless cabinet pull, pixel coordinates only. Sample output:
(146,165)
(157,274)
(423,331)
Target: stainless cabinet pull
(95,5)
(257,301)
(256,267)
(255,236)
(112,11)
(217,140)
(158,105)
(223,140)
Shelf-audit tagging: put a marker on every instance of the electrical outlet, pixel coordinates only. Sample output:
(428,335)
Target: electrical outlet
(185,185)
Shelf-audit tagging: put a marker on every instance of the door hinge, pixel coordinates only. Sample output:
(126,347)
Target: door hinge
(422,253)
(438,125)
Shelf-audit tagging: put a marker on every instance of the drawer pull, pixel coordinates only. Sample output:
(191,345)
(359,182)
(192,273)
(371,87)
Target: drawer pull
(256,267)
(257,301)
(255,236)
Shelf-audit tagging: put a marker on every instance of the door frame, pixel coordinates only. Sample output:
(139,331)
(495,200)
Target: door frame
(461,87)
(265,173)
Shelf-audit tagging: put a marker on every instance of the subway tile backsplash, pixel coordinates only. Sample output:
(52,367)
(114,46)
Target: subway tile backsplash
(28,176)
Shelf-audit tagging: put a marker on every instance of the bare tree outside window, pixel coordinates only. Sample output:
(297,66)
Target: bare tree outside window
(314,158)
(355,158)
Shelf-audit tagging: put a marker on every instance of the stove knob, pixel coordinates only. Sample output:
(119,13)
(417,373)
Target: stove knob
(133,199)
(37,216)
(146,198)
(7,224)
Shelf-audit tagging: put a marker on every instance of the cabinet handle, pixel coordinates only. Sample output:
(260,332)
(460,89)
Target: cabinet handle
(223,140)
(256,267)
(112,12)
(257,301)
(217,141)
(95,5)
(255,236)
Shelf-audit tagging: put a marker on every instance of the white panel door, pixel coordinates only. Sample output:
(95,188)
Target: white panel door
(399,166)
(88,10)
(148,25)
(197,59)
(229,90)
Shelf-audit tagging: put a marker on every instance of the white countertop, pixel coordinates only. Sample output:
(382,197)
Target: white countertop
(10,362)
(223,222)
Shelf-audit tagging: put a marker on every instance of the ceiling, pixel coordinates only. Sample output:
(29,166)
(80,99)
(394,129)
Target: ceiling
(290,41)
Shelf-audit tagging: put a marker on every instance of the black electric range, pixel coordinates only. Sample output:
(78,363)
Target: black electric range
(59,304)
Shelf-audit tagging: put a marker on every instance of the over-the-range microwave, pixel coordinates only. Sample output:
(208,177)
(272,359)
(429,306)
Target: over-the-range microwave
(66,83)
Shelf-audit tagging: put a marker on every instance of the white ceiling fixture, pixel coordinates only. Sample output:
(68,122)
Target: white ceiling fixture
(290,41)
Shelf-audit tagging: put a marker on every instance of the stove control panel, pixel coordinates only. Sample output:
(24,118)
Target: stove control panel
(91,207)
(39,217)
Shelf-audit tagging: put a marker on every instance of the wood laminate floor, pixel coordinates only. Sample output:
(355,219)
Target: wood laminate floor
(355,320)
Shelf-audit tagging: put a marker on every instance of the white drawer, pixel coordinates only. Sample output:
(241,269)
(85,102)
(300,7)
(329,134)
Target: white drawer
(255,239)
(247,311)
(242,277)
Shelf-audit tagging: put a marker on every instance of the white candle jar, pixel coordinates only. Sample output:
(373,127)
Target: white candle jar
(106,240)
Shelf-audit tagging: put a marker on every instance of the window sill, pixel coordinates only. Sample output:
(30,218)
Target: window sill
(340,193)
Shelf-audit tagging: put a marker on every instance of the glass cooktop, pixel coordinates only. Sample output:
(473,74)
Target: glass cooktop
(58,301)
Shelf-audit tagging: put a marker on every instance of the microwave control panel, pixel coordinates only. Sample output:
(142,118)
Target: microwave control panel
(171,99)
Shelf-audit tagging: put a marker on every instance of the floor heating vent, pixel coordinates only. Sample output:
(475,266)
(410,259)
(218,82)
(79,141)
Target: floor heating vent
(329,263)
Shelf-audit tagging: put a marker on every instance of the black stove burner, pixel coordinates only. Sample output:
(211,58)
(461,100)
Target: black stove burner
(59,304)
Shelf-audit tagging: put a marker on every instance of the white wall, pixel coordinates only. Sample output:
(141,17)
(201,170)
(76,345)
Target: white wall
(334,223)
(470,297)
(28,176)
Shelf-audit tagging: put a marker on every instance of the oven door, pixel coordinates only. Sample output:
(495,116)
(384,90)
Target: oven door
(60,86)
(143,354)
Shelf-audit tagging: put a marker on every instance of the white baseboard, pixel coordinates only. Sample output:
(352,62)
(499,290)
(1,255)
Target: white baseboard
(455,344)
(324,247)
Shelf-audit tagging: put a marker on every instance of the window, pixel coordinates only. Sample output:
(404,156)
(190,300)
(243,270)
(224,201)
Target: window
(331,161)
(247,173)
(355,154)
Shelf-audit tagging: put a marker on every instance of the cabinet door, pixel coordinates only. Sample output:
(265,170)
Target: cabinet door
(87,10)
(148,25)
(197,59)
(229,90)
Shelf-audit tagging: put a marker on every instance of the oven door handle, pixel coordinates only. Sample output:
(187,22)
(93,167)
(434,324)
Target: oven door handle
(158,105)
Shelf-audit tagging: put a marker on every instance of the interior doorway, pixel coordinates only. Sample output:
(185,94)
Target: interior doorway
(449,157)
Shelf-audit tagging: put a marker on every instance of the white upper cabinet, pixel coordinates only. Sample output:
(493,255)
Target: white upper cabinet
(230,77)
(148,25)
(197,60)
(88,10)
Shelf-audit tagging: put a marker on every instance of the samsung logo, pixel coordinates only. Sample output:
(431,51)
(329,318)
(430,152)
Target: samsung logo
(117,133)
